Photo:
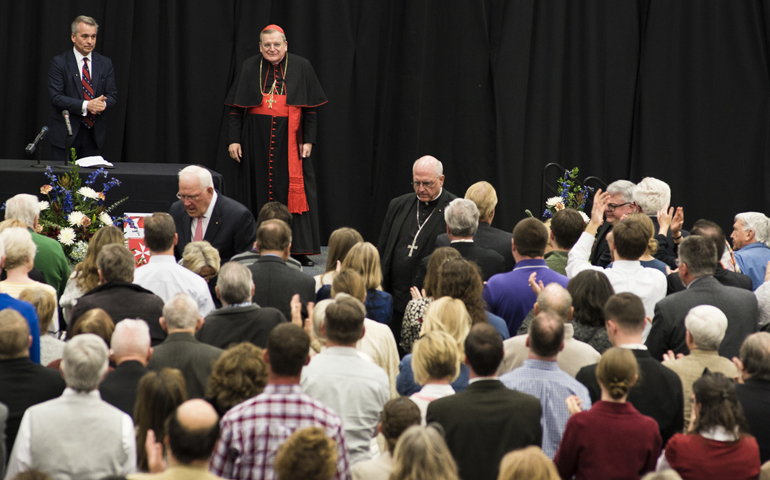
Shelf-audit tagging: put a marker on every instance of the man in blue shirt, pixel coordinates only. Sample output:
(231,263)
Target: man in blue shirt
(751,231)
(508,295)
(541,377)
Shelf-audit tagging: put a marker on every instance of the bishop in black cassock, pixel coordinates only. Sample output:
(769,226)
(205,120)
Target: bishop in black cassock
(412,223)
(273,123)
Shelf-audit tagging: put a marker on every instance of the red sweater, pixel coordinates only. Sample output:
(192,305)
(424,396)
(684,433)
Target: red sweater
(695,457)
(610,441)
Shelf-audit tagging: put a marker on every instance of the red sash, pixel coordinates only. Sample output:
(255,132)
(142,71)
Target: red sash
(275,106)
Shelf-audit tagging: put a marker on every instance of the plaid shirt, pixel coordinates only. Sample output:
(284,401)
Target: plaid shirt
(253,430)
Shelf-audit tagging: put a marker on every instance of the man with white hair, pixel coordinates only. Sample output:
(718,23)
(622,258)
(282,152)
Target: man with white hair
(130,350)
(620,203)
(409,232)
(751,233)
(652,196)
(77,435)
(706,326)
(50,258)
(462,222)
(239,319)
(204,214)
(181,350)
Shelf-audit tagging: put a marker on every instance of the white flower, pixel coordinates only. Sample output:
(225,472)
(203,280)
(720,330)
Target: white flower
(585,217)
(105,218)
(43,205)
(551,202)
(88,192)
(66,236)
(75,218)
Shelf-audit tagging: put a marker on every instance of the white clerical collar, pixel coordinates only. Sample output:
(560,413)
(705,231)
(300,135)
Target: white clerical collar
(463,240)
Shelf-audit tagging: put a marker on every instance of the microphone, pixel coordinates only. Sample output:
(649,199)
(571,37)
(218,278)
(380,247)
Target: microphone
(66,115)
(40,136)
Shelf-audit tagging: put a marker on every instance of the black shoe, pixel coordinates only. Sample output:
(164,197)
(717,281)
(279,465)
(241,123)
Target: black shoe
(303,260)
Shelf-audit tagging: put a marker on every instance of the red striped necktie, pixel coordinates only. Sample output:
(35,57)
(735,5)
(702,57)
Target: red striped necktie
(88,92)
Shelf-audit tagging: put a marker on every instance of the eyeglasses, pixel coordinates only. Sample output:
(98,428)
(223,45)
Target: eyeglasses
(188,198)
(611,206)
(422,184)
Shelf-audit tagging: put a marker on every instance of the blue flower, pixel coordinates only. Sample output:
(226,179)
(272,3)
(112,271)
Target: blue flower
(67,203)
(94,175)
(112,183)
(547,214)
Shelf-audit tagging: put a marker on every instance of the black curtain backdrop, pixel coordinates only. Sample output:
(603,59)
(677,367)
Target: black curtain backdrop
(496,89)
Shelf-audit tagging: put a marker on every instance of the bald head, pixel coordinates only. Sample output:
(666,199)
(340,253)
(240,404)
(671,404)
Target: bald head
(427,178)
(428,164)
(14,335)
(131,341)
(556,300)
(193,430)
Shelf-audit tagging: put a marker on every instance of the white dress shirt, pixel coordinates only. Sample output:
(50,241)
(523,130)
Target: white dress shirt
(205,218)
(165,278)
(79,58)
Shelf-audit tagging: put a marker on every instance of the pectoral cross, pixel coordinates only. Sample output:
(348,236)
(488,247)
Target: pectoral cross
(270,102)
(412,248)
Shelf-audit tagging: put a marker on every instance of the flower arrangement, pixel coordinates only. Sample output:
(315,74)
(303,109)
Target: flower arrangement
(74,210)
(571,195)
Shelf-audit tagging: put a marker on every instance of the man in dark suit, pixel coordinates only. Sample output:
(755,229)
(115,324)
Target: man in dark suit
(727,278)
(82,82)
(658,393)
(239,320)
(275,282)
(484,196)
(697,264)
(130,350)
(118,295)
(23,383)
(753,390)
(619,203)
(409,232)
(203,214)
(486,420)
(181,350)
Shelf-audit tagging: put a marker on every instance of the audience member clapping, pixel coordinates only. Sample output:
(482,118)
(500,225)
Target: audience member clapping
(612,440)
(85,277)
(308,454)
(445,315)
(239,374)
(340,243)
(527,464)
(158,394)
(706,326)
(415,309)
(436,361)
(422,453)
(19,260)
(51,348)
(717,445)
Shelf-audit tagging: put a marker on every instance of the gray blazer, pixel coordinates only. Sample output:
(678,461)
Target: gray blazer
(668,332)
(195,359)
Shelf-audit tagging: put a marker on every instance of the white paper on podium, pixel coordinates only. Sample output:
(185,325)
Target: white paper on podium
(96,161)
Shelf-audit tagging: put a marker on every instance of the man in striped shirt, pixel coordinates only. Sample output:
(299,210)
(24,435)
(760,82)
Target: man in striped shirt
(253,430)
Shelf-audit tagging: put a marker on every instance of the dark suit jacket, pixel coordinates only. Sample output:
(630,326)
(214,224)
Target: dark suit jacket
(66,91)
(483,423)
(23,384)
(275,283)
(657,394)
(239,324)
(231,230)
(119,386)
(739,305)
(600,254)
(489,237)
(754,396)
(489,262)
(667,249)
(195,359)
(723,276)
(123,300)
(394,219)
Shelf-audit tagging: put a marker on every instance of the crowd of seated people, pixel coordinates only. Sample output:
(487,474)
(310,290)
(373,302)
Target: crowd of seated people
(615,345)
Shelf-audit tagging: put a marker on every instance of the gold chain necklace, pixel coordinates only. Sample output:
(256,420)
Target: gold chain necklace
(272,91)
